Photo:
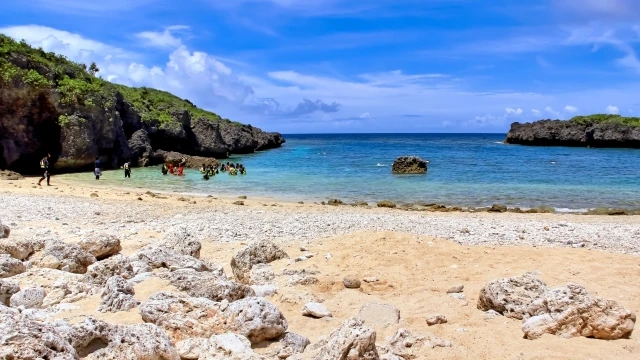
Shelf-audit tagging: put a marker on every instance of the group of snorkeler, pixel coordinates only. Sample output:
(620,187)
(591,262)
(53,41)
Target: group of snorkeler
(176,168)
(233,169)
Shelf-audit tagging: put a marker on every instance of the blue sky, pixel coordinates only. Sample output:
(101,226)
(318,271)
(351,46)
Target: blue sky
(356,65)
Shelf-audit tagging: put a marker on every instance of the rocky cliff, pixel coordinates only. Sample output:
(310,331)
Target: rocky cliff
(50,104)
(604,131)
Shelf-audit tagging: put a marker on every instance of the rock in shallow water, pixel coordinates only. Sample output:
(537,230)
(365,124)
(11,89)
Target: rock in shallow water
(409,165)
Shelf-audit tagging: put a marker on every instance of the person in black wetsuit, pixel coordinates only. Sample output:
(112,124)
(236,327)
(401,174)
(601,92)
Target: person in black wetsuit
(44,165)
(165,169)
(127,169)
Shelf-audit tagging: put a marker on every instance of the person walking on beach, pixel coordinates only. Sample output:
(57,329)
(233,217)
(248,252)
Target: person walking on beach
(44,165)
(96,170)
(127,169)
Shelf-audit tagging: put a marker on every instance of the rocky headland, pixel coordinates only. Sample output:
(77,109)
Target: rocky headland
(599,130)
(49,104)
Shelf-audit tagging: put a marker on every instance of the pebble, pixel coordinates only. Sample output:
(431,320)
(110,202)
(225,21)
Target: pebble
(246,223)
(436,319)
(455,289)
(458,296)
(370,279)
(316,310)
(351,282)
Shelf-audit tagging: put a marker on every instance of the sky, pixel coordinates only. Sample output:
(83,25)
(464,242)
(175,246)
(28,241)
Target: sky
(353,66)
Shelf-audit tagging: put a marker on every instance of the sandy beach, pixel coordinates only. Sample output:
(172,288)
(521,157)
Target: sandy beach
(415,257)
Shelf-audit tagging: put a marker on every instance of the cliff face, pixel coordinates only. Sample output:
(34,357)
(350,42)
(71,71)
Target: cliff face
(573,133)
(49,104)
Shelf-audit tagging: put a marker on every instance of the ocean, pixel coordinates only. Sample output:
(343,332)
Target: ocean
(464,170)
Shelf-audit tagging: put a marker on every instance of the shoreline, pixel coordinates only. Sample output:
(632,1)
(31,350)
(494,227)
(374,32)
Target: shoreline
(406,206)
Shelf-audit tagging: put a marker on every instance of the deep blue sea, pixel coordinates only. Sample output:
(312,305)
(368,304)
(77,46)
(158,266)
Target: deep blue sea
(464,169)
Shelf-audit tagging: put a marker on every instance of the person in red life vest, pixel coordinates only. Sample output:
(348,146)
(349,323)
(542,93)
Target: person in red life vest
(180,170)
(171,168)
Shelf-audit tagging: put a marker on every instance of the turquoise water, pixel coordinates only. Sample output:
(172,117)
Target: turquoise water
(465,169)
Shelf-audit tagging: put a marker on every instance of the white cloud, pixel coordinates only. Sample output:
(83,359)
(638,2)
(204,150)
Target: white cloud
(511,111)
(611,109)
(365,115)
(163,39)
(550,110)
(570,109)
(535,112)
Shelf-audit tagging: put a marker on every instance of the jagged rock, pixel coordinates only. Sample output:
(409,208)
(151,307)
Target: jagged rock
(98,340)
(436,319)
(255,318)
(5,230)
(226,346)
(352,340)
(316,310)
(180,239)
(409,165)
(292,344)
(511,296)
(117,296)
(49,262)
(210,285)
(261,274)
(166,258)
(68,291)
(29,298)
(182,316)
(118,264)
(22,337)
(261,252)
(265,290)
(7,289)
(71,257)
(10,266)
(379,314)
(301,277)
(403,345)
(351,282)
(101,245)
(570,311)
(19,249)
(574,133)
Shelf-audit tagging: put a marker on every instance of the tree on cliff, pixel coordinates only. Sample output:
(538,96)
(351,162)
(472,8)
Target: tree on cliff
(93,68)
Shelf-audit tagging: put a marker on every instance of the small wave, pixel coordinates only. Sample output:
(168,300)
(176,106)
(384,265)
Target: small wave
(499,142)
(378,164)
(567,210)
(553,162)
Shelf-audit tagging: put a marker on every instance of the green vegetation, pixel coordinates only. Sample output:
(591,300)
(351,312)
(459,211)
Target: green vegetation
(606,118)
(77,86)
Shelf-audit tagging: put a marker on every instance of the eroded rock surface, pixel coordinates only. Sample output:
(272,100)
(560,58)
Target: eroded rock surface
(101,245)
(19,249)
(260,252)
(409,165)
(117,296)
(119,265)
(7,289)
(10,266)
(228,346)
(352,340)
(211,285)
(570,311)
(180,239)
(165,258)
(29,298)
(70,257)
(511,296)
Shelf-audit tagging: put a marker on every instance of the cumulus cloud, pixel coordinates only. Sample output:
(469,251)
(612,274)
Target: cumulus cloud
(570,109)
(365,115)
(535,112)
(611,109)
(551,111)
(162,39)
(511,111)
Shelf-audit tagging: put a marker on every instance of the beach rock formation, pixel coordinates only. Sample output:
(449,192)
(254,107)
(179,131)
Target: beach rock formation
(22,337)
(409,165)
(210,285)
(352,340)
(10,266)
(180,239)
(29,298)
(101,245)
(228,346)
(117,296)
(574,133)
(19,249)
(511,297)
(157,257)
(260,252)
(7,289)
(66,257)
(186,317)
(10,175)
(102,119)
(117,265)
(570,311)
(4,231)
(292,344)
